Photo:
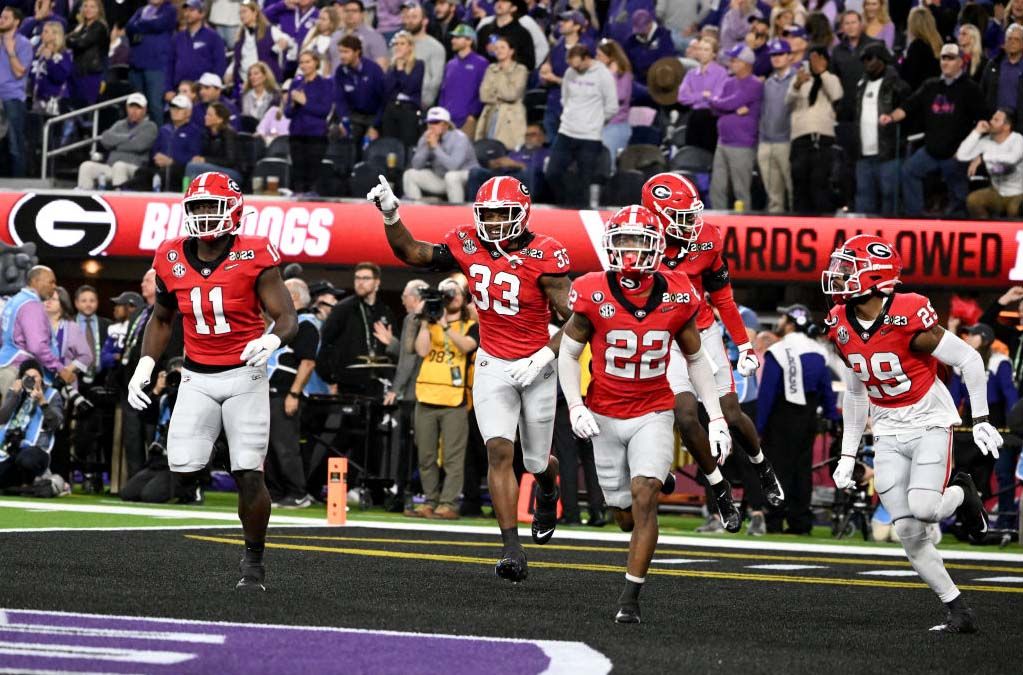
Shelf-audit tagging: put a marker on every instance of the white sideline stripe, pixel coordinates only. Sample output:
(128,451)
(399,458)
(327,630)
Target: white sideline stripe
(679,561)
(786,568)
(889,573)
(143,528)
(594,226)
(149,656)
(44,629)
(148,511)
(1003,580)
(567,658)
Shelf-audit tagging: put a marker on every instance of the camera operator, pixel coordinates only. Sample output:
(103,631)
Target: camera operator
(447,337)
(30,414)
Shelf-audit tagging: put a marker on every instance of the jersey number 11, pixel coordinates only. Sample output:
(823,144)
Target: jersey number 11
(216,297)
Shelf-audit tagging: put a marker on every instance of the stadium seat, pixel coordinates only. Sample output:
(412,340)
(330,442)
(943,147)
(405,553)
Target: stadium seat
(646,136)
(274,166)
(279,147)
(376,154)
(248,123)
(248,154)
(692,160)
(625,187)
(364,178)
(488,149)
(331,182)
(536,104)
(646,159)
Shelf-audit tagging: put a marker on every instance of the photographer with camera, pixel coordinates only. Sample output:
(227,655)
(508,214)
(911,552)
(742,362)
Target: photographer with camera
(30,414)
(446,340)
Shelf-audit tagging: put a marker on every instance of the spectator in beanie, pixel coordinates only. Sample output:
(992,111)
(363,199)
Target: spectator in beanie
(812,97)
(260,92)
(502,92)
(88,42)
(738,110)
(307,104)
(359,87)
(258,42)
(195,50)
(463,75)
(150,30)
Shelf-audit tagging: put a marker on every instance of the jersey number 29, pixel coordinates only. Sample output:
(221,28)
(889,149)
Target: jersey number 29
(623,345)
(883,366)
(216,301)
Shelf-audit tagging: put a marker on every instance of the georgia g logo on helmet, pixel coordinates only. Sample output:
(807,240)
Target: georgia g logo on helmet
(660,191)
(879,250)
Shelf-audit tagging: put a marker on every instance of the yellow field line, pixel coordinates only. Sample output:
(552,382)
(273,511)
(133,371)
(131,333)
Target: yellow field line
(586,567)
(624,549)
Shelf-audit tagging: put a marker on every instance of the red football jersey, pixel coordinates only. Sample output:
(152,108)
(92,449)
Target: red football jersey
(895,375)
(514,311)
(703,257)
(631,345)
(218,299)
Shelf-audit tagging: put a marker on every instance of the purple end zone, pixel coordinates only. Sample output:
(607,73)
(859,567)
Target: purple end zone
(50,641)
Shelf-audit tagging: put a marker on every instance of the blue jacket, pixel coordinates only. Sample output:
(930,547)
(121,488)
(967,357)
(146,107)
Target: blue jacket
(191,56)
(359,90)
(181,143)
(150,30)
(816,381)
(405,87)
(310,118)
(642,55)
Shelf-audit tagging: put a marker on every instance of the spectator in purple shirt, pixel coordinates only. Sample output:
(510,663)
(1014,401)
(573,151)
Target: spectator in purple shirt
(738,109)
(307,105)
(463,75)
(620,19)
(51,70)
(179,141)
(66,336)
(26,329)
(617,130)
(150,30)
(32,27)
(15,61)
(404,87)
(295,18)
(359,87)
(699,86)
(389,17)
(195,50)
(572,27)
(649,42)
(258,42)
(524,163)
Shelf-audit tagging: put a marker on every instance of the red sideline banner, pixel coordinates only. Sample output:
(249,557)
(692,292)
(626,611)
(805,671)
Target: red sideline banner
(772,249)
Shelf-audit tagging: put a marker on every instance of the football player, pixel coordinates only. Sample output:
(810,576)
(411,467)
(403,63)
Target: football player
(695,247)
(514,276)
(630,316)
(220,281)
(892,343)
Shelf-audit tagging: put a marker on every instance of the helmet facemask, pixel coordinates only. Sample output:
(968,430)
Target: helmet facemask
(632,250)
(209,216)
(683,225)
(843,280)
(498,222)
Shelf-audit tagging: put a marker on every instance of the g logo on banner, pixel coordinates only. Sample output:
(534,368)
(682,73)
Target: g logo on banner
(63,225)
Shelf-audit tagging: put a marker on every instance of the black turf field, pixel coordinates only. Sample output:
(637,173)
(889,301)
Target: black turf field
(697,619)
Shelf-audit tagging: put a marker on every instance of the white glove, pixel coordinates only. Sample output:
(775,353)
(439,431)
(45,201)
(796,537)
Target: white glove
(139,380)
(987,439)
(748,361)
(583,424)
(383,197)
(524,371)
(720,439)
(258,351)
(843,475)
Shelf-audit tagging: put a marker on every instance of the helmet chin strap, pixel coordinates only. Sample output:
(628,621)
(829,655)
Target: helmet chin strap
(513,260)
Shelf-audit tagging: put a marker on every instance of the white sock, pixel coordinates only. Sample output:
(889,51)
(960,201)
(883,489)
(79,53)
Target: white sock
(757,458)
(635,580)
(925,558)
(714,477)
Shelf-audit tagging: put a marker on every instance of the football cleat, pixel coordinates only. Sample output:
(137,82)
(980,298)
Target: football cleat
(727,511)
(628,614)
(545,515)
(958,621)
(253,576)
(971,512)
(512,566)
(769,483)
(668,486)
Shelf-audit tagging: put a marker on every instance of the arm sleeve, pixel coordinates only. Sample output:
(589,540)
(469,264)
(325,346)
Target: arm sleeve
(36,331)
(305,342)
(53,416)
(969,148)
(1009,152)
(855,407)
(952,351)
(723,300)
(701,374)
(768,391)
(570,371)
(686,94)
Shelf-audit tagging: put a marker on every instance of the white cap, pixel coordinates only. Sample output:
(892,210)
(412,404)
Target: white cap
(438,114)
(181,101)
(136,99)
(211,80)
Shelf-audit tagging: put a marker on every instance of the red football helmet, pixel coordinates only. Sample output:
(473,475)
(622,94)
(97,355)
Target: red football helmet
(676,201)
(213,205)
(501,209)
(634,240)
(864,263)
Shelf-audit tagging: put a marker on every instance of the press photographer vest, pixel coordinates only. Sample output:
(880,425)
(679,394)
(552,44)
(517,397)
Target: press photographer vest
(434,385)
(34,427)
(10,351)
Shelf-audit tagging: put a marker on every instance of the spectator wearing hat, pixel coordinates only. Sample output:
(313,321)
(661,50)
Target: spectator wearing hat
(359,90)
(195,50)
(403,87)
(699,85)
(353,23)
(15,62)
(1002,80)
(307,104)
(89,43)
(620,24)
(795,382)
(127,143)
(428,50)
(125,305)
(507,24)
(525,163)
(150,30)
(738,110)
(502,92)
(211,90)
(648,43)
(447,16)
(664,80)
(176,144)
(812,96)
(219,145)
(442,160)
(572,26)
(949,106)
(1000,149)
(756,39)
(589,100)
(257,41)
(879,92)
(799,43)
(463,75)
(775,130)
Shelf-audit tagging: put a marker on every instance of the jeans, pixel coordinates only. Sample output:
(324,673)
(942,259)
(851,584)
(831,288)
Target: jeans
(876,176)
(193,169)
(565,151)
(917,168)
(150,83)
(810,158)
(16,114)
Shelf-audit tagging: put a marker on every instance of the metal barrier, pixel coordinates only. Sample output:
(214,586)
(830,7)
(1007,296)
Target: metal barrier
(94,109)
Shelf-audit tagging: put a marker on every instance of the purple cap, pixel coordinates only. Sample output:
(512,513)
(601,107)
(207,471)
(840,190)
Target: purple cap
(743,53)
(641,21)
(794,30)
(575,17)
(194,4)
(778,47)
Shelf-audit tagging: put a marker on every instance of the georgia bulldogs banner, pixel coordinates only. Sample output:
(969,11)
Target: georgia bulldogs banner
(757,248)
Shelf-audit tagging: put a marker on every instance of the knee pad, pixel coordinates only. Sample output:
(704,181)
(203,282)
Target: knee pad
(188,467)
(534,465)
(925,505)
(912,533)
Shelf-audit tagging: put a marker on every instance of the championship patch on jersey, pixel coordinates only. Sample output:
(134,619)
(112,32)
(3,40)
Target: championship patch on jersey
(607,310)
(597,297)
(178,270)
(172,255)
(469,246)
(572,297)
(843,335)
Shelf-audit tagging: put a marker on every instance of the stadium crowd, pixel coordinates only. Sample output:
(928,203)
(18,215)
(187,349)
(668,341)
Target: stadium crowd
(393,393)
(783,106)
